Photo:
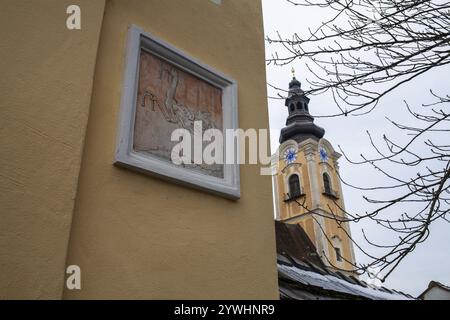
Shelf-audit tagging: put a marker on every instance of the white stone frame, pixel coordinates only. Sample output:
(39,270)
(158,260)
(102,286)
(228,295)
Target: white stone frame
(336,242)
(229,185)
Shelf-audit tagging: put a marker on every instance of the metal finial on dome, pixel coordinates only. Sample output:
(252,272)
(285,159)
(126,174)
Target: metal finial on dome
(294,82)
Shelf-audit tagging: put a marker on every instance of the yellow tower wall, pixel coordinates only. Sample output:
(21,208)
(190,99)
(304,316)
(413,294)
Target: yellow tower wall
(319,225)
(45,88)
(136,236)
(132,235)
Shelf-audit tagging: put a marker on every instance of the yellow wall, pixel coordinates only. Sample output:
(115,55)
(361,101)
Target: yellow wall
(45,89)
(136,236)
(293,212)
(333,229)
(291,208)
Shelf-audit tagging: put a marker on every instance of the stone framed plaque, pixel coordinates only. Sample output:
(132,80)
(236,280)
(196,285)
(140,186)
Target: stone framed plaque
(165,90)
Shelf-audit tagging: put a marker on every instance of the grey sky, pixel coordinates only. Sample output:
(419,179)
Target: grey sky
(431,260)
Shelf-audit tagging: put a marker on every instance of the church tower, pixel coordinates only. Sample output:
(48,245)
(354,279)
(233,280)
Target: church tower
(306,183)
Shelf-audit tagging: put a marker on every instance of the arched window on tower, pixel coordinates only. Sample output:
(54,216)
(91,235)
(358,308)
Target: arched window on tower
(327,187)
(292,107)
(294,186)
(327,183)
(337,245)
(338,254)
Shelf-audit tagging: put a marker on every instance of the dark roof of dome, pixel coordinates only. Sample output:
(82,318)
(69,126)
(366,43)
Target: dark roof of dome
(299,124)
(300,131)
(294,83)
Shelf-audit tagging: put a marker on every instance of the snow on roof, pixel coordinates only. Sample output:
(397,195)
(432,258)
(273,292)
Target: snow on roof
(334,284)
(309,278)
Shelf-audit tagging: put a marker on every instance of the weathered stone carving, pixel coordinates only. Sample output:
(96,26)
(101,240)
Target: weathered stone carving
(169,98)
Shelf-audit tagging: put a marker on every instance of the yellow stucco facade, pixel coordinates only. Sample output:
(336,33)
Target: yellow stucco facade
(63,202)
(45,88)
(317,207)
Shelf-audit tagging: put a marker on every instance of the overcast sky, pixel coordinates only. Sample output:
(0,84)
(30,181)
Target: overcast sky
(431,260)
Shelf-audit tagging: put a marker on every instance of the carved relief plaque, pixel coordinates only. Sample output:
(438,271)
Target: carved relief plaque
(164,89)
(169,98)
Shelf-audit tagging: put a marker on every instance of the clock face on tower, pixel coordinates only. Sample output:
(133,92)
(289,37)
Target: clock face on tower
(323,154)
(290,155)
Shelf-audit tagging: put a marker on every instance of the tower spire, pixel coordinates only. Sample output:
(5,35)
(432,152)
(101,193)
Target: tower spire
(299,124)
